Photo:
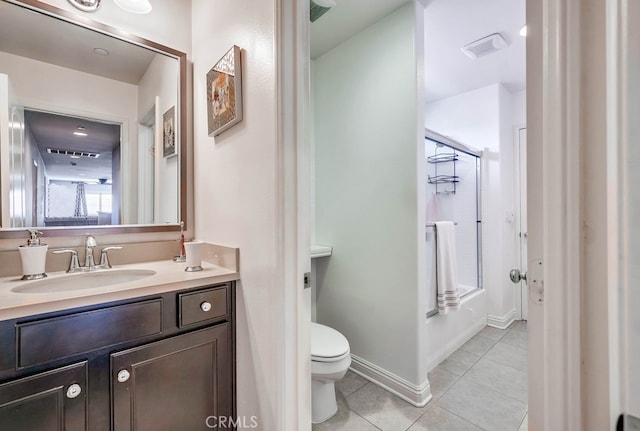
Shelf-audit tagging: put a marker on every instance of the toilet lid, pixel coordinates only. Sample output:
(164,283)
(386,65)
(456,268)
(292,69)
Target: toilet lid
(327,342)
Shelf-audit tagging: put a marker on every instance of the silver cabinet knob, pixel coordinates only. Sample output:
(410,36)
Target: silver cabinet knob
(205,306)
(123,376)
(73,390)
(516,276)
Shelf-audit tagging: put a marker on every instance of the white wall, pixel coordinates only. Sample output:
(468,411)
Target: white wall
(367,197)
(484,119)
(159,84)
(519,108)
(236,193)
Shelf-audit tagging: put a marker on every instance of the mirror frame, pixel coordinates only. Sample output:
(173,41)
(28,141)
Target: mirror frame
(73,18)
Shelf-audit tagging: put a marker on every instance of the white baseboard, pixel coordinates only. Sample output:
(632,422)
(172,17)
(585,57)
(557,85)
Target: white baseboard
(502,322)
(418,396)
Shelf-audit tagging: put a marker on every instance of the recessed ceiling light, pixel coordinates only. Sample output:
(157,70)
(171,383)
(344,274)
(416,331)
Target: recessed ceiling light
(523,31)
(74,157)
(101,51)
(79,133)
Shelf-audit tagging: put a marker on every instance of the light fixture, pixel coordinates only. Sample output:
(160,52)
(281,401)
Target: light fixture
(523,31)
(101,51)
(80,131)
(86,5)
(484,46)
(134,6)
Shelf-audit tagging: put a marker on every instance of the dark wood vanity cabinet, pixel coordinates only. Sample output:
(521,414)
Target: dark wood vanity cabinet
(173,384)
(157,363)
(54,400)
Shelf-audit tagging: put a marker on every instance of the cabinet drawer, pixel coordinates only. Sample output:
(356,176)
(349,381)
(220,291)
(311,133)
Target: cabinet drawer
(203,305)
(60,337)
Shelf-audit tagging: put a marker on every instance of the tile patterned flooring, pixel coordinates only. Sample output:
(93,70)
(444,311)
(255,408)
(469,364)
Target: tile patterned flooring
(481,386)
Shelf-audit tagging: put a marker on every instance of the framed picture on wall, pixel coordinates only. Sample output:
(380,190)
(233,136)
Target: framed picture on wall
(169,133)
(224,92)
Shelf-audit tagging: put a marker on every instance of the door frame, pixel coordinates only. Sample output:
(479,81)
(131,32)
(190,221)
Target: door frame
(520,170)
(554,217)
(294,209)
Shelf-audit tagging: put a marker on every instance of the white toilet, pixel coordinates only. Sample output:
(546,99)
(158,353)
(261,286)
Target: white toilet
(330,360)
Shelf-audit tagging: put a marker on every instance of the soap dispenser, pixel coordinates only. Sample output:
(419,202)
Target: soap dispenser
(34,257)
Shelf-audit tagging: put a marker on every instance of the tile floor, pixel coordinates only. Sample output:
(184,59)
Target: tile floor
(481,386)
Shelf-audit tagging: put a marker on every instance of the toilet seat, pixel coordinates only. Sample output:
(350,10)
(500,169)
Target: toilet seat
(327,344)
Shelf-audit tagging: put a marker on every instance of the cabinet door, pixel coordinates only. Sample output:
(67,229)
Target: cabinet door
(181,383)
(52,401)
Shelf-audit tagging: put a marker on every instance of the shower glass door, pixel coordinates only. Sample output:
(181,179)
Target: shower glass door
(453,194)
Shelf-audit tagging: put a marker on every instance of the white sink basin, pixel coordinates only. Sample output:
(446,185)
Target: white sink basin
(83,280)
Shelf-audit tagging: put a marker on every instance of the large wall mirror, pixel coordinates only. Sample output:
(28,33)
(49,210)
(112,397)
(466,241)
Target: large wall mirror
(92,126)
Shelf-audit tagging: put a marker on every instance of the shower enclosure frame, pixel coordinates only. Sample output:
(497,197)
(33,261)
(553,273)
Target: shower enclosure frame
(462,148)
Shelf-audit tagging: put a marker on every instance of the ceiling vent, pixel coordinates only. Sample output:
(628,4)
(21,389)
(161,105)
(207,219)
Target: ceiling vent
(317,8)
(485,46)
(73,153)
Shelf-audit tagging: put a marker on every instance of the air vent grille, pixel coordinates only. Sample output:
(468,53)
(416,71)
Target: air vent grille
(73,153)
(484,46)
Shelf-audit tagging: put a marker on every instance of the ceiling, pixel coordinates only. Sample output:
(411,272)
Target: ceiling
(56,131)
(449,25)
(55,41)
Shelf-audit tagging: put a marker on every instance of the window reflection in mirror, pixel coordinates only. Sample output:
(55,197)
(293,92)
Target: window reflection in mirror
(53,177)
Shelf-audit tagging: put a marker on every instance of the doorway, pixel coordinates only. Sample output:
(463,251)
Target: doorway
(521,296)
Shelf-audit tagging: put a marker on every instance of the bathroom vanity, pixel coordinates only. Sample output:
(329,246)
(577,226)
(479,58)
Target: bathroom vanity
(161,357)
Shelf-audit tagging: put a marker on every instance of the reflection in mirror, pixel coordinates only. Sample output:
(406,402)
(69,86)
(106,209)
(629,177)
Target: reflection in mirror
(81,124)
(70,180)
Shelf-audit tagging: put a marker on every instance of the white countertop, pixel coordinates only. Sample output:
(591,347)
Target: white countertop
(170,276)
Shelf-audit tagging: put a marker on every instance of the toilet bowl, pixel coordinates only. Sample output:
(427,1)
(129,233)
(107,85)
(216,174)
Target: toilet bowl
(330,360)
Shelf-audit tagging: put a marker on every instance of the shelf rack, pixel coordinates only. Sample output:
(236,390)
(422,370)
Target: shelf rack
(447,180)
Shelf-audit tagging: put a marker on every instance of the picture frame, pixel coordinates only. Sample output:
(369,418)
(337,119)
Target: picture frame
(169,147)
(224,92)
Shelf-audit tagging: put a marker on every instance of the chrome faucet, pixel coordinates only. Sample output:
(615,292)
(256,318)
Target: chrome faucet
(89,262)
(89,245)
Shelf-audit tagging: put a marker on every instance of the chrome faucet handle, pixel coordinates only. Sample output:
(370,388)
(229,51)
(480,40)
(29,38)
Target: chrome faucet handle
(74,265)
(104,257)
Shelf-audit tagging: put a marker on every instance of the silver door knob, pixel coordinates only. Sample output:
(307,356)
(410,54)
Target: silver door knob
(123,376)
(516,276)
(73,391)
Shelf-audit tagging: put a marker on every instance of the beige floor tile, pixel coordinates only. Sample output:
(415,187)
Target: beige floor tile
(506,354)
(478,345)
(500,378)
(482,407)
(440,380)
(350,383)
(459,362)
(437,419)
(383,409)
(344,420)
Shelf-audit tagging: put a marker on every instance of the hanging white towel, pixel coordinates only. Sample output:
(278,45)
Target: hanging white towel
(446,267)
